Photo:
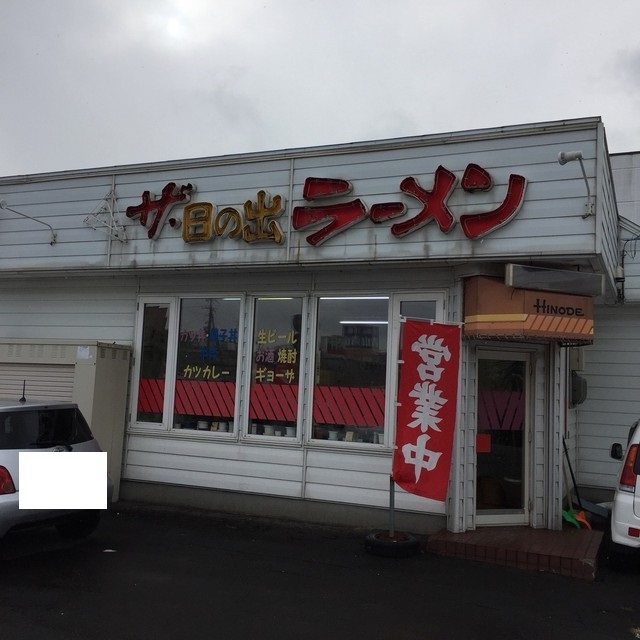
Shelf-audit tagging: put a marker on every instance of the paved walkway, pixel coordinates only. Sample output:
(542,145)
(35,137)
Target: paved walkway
(570,552)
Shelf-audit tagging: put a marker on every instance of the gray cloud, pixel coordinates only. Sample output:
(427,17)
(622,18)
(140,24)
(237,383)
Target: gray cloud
(101,82)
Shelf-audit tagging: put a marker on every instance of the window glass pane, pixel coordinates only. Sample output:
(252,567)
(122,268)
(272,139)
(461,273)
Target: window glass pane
(422,309)
(501,414)
(350,376)
(20,430)
(153,362)
(43,429)
(207,364)
(275,367)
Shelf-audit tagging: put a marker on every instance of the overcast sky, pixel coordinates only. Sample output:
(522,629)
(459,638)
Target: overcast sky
(92,83)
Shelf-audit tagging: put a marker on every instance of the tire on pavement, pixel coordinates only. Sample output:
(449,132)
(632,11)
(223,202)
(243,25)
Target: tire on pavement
(79,525)
(400,545)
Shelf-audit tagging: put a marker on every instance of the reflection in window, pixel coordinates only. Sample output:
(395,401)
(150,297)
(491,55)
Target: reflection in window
(350,376)
(275,368)
(153,361)
(206,365)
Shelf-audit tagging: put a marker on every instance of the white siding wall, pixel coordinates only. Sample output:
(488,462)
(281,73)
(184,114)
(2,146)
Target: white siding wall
(545,399)
(626,177)
(68,308)
(231,466)
(465,506)
(290,470)
(607,220)
(612,369)
(552,212)
(549,513)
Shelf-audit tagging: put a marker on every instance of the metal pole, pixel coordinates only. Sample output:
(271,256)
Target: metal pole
(392,518)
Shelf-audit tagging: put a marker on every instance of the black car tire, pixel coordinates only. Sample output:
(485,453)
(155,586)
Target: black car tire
(400,545)
(79,525)
(616,556)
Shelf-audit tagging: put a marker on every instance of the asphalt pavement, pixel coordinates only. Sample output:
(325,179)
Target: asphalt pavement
(152,573)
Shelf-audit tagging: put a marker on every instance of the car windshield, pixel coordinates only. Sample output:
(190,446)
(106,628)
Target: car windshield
(38,428)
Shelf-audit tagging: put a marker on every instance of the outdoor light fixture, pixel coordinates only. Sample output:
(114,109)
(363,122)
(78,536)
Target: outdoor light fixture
(3,205)
(570,156)
(619,274)
(619,279)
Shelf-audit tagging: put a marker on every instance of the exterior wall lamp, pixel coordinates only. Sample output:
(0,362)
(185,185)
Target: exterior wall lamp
(3,205)
(619,279)
(570,156)
(619,275)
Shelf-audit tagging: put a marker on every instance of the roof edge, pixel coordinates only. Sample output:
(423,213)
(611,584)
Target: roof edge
(320,150)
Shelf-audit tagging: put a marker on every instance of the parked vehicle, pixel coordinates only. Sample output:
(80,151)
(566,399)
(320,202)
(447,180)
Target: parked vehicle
(625,512)
(47,426)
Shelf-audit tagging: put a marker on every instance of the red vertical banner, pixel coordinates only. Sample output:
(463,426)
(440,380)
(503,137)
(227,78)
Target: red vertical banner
(427,404)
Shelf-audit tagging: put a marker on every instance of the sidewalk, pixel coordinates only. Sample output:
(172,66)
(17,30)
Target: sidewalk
(570,552)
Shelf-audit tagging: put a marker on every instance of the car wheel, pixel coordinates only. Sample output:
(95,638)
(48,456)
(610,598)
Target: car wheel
(615,556)
(400,545)
(79,525)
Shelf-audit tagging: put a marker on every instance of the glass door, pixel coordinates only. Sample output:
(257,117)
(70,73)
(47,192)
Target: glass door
(502,494)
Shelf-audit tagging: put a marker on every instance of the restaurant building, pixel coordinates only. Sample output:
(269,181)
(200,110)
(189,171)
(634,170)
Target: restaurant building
(231,325)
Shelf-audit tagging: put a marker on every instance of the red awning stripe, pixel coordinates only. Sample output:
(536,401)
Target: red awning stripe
(150,395)
(357,406)
(373,406)
(346,404)
(361,411)
(323,400)
(274,402)
(185,399)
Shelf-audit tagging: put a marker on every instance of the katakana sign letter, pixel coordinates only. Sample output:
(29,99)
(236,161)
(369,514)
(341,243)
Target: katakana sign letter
(434,202)
(340,216)
(159,207)
(480,224)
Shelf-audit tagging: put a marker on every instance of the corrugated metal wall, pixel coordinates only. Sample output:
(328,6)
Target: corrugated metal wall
(42,381)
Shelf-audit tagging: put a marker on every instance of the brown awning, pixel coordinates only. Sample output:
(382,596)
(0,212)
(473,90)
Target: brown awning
(494,310)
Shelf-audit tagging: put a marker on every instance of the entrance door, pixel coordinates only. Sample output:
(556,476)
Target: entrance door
(502,493)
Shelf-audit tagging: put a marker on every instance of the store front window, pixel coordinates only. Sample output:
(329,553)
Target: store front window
(350,369)
(206,364)
(233,365)
(153,363)
(275,367)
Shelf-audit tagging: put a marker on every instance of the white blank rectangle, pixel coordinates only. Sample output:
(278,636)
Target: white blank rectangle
(63,480)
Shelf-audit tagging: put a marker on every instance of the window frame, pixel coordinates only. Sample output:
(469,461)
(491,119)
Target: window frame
(439,296)
(231,433)
(246,365)
(307,364)
(169,379)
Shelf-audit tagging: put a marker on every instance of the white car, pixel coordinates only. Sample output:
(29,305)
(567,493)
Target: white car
(625,512)
(47,426)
